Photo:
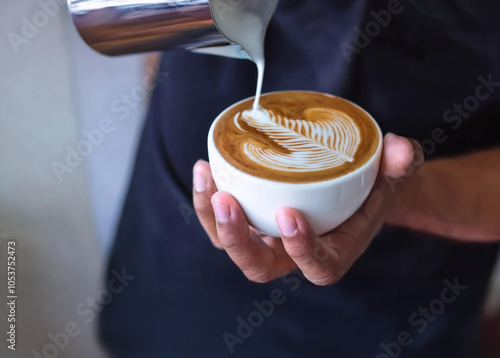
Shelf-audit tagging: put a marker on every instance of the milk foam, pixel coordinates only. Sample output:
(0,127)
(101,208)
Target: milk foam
(325,139)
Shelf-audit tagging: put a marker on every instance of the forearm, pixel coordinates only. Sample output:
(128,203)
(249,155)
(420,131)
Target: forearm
(458,198)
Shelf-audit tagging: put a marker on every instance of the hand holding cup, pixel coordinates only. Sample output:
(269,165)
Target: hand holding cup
(309,214)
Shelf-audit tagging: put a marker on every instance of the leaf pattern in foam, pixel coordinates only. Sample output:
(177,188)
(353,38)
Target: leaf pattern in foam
(330,140)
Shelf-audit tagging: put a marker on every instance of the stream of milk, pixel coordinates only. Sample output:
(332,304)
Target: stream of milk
(244,22)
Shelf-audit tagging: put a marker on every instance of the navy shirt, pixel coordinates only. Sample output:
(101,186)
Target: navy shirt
(424,69)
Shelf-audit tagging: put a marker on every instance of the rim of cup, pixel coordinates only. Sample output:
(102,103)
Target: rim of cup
(345,177)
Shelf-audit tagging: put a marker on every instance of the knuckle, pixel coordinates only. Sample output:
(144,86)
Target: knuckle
(228,239)
(234,237)
(301,255)
(200,202)
(302,252)
(365,218)
(356,227)
(324,253)
(330,279)
(231,246)
(259,276)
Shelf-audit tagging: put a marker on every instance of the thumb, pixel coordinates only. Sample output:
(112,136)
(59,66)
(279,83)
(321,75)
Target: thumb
(401,156)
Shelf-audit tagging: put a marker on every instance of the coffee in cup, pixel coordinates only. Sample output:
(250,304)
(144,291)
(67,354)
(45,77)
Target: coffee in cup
(312,151)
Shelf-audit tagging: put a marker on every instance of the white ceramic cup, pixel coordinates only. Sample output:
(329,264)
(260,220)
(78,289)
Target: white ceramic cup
(325,204)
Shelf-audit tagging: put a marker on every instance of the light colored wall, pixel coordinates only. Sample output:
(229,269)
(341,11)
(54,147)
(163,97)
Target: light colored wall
(109,88)
(51,88)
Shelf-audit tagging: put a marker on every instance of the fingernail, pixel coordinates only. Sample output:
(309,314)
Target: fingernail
(222,212)
(199,182)
(392,135)
(287,225)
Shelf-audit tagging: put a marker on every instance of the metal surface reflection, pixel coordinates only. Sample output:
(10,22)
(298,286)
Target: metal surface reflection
(116,27)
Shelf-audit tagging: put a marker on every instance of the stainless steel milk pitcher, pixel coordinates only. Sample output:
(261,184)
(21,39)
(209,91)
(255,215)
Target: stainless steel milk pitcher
(117,27)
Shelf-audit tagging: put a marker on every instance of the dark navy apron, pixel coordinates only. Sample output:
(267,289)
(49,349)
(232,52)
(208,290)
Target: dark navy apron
(424,69)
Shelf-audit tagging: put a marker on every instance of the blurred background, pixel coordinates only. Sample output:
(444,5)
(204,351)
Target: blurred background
(60,198)
(60,210)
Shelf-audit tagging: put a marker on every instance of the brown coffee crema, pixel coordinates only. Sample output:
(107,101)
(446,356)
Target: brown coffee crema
(298,137)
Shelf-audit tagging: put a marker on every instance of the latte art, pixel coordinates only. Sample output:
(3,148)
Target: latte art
(296,137)
(329,141)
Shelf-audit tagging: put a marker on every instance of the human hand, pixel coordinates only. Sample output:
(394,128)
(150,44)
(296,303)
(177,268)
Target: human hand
(322,259)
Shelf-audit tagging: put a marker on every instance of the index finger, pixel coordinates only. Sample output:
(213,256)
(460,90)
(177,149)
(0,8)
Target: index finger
(260,259)
(203,189)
